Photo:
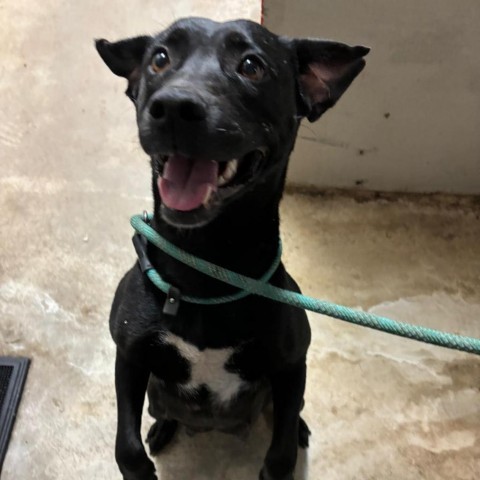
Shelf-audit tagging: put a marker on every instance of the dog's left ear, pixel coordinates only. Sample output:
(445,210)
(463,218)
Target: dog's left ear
(124,58)
(325,70)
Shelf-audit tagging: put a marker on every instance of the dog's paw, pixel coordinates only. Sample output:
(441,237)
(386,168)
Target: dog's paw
(133,461)
(160,435)
(303,433)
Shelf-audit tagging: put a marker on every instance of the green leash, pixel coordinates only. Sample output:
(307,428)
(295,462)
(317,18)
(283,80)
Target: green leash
(262,288)
(167,288)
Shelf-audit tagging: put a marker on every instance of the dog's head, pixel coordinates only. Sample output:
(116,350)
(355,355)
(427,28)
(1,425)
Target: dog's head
(219,104)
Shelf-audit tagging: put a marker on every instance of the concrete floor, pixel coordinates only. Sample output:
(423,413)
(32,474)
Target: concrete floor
(71,175)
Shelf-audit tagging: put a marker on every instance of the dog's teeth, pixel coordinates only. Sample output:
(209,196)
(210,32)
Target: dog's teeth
(207,196)
(229,173)
(231,169)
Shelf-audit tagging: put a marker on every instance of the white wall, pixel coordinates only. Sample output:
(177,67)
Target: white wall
(411,121)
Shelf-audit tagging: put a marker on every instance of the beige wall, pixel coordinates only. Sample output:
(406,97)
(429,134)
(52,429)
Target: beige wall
(411,121)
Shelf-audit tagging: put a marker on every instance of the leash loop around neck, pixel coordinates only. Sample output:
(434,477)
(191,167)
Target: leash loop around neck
(259,287)
(173,293)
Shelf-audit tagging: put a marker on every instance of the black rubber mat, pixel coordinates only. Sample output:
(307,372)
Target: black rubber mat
(13,372)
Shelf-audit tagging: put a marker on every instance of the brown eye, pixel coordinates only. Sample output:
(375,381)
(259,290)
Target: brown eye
(252,68)
(160,61)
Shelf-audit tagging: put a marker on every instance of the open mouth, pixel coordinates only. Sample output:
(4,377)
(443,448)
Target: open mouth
(189,184)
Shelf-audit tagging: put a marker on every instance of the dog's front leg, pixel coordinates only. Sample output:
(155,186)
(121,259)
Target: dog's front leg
(131,384)
(288,388)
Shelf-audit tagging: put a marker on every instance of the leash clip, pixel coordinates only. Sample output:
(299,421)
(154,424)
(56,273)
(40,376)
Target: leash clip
(140,244)
(172,302)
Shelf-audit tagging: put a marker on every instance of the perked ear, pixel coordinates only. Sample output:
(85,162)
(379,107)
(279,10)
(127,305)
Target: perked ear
(326,69)
(124,58)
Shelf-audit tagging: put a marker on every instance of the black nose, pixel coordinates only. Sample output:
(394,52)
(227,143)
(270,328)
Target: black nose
(173,105)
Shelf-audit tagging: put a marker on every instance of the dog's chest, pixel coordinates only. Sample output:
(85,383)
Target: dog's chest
(209,367)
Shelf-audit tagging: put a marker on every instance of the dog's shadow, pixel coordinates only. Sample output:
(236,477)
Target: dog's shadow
(220,456)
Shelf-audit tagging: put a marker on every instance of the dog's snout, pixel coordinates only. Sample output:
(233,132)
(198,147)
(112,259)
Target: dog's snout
(176,106)
(192,111)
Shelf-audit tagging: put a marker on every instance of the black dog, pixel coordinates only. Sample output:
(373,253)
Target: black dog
(218,107)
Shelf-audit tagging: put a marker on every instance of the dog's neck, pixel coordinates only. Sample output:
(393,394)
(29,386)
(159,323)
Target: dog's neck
(243,238)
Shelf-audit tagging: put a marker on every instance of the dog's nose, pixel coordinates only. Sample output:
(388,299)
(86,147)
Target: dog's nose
(174,105)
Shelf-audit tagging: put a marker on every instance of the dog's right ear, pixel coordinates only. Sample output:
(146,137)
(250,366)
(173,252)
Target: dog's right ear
(124,58)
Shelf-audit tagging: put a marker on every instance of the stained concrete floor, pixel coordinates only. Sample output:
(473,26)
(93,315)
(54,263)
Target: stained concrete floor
(72,173)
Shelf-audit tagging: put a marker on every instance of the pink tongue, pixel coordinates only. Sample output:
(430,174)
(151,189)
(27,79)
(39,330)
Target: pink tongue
(185,182)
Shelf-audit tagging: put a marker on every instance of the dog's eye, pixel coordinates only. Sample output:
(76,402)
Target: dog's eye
(252,68)
(160,61)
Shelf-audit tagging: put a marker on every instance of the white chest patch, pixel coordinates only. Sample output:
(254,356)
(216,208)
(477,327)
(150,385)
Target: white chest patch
(207,368)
